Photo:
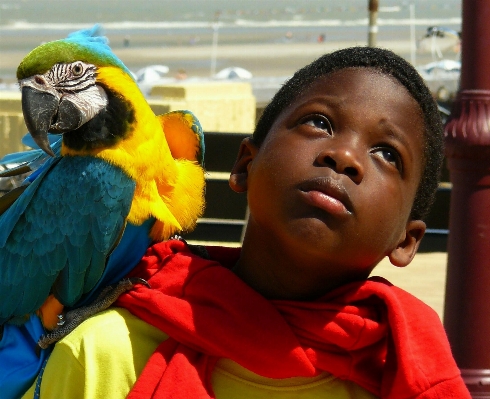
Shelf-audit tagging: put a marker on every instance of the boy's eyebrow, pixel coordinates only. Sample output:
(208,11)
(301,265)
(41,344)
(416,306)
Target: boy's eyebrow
(332,100)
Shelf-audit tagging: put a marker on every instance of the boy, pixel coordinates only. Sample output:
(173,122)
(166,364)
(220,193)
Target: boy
(340,172)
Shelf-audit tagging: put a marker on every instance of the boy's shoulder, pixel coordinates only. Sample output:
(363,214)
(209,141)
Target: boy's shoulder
(104,354)
(108,331)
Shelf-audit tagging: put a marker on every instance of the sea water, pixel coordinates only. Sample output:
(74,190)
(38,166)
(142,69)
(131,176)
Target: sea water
(192,20)
(24,24)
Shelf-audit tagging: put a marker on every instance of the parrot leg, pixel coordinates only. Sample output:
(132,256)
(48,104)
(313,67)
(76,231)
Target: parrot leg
(49,312)
(75,317)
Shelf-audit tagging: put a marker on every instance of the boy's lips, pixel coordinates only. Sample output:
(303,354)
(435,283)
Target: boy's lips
(327,194)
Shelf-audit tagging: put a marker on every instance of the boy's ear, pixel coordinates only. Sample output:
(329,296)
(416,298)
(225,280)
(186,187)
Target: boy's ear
(409,243)
(239,172)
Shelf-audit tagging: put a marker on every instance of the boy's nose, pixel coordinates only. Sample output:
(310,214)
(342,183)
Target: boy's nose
(343,160)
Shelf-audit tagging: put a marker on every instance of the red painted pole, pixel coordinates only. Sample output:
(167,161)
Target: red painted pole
(467,305)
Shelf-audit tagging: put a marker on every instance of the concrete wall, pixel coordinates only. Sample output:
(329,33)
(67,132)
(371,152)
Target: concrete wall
(219,106)
(12,126)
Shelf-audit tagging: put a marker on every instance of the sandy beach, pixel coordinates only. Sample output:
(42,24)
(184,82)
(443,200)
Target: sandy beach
(263,60)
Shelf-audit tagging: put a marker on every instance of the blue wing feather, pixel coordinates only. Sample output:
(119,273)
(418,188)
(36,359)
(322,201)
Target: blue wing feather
(58,236)
(127,254)
(19,157)
(33,158)
(10,218)
(28,141)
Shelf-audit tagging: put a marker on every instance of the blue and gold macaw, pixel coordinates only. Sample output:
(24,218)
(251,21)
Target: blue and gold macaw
(118,179)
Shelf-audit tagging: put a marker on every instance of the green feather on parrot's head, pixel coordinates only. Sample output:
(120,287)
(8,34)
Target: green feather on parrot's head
(85,45)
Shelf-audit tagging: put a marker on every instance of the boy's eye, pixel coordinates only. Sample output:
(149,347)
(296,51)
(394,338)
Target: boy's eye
(318,122)
(389,155)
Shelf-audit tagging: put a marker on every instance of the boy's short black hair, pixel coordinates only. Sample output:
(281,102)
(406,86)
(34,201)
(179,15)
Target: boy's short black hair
(387,63)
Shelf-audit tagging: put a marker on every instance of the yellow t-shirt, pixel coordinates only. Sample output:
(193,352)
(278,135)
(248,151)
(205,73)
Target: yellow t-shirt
(104,356)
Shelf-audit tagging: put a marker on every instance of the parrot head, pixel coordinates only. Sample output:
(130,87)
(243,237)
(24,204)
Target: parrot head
(62,92)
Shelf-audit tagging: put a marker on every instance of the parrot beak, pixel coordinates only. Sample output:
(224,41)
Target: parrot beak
(45,111)
(39,109)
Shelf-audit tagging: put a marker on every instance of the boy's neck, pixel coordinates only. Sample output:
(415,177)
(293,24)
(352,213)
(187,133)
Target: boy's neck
(281,272)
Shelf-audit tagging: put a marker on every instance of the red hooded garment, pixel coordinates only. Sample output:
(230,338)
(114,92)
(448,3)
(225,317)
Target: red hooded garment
(369,332)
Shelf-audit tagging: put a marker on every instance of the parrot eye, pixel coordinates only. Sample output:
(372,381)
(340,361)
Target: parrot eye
(77,69)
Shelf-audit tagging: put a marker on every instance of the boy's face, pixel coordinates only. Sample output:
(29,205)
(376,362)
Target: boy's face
(337,174)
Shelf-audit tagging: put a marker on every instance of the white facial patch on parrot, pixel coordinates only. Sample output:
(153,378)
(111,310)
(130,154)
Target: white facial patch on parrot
(89,101)
(40,83)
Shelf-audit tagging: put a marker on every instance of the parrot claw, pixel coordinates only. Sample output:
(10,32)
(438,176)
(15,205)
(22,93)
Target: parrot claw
(177,237)
(139,280)
(199,250)
(73,318)
(61,320)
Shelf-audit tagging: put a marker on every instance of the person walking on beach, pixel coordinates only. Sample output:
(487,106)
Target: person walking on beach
(340,173)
